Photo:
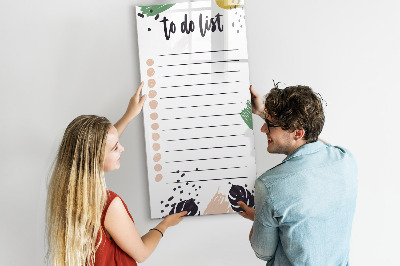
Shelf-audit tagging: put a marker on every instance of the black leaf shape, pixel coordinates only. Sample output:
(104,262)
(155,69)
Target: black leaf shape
(186,205)
(239,193)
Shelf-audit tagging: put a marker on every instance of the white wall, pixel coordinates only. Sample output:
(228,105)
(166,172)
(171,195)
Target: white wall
(60,59)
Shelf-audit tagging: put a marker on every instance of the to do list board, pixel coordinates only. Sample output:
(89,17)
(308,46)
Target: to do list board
(197,117)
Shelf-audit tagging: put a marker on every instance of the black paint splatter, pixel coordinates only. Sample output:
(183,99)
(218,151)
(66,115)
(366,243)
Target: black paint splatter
(239,193)
(187,205)
(148,29)
(157,16)
(140,15)
(185,199)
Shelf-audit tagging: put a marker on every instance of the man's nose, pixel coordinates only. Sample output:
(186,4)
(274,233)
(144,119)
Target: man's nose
(264,128)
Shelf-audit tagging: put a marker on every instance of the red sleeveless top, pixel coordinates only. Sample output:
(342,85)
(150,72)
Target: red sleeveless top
(108,253)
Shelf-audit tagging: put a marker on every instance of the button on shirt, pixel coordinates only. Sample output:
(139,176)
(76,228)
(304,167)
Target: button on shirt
(305,208)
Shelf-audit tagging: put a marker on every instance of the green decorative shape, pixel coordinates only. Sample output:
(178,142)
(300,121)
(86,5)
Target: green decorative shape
(247,115)
(154,9)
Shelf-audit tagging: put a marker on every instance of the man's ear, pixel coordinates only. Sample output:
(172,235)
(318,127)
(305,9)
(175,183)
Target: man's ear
(299,134)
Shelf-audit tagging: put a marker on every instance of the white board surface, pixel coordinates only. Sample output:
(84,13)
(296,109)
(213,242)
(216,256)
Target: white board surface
(197,118)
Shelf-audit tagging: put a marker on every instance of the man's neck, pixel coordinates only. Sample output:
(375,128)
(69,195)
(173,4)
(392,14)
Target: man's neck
(297,145)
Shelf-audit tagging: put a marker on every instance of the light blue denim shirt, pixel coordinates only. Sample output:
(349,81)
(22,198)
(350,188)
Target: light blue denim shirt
(305,207)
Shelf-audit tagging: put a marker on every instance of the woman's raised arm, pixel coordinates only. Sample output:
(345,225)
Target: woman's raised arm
(134,108)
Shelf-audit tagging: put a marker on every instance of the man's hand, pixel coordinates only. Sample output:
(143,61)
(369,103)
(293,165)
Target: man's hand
(251,233)
(257,105)
(248,211)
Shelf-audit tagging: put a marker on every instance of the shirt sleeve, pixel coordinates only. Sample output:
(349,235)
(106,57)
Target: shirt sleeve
(264,239)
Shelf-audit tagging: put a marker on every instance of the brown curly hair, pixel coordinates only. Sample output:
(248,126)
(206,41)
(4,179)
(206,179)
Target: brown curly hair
(297,107)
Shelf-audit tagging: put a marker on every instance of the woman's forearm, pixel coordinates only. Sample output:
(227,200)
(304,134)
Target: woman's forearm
(122,124)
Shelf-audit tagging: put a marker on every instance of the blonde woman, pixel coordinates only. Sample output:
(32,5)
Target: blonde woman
(87,224)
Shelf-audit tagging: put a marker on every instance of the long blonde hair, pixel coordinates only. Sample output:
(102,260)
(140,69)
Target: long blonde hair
(77,193)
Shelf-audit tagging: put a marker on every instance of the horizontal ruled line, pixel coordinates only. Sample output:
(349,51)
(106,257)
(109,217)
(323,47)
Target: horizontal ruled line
(206,159)
(213,179)
(200,84)
(203,52)
(202,127)
(211,169)
(196,74)
(198,95)
(200,63)
(231,146)
(200,116)
(195,106)
(208,137)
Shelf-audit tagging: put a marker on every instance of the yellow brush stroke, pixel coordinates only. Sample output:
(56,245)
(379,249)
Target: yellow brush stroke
(228,4)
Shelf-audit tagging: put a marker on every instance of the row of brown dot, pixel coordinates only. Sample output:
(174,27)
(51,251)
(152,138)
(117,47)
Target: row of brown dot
(154,116)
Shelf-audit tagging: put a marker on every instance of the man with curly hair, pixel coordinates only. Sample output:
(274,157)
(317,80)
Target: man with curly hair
(304,206)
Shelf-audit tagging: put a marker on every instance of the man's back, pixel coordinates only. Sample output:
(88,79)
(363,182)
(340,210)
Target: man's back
(305,208)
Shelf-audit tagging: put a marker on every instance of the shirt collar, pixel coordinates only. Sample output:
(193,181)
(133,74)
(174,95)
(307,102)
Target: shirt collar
(306,149)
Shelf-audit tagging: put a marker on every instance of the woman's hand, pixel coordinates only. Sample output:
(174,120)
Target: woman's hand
(171,220)
(257,105)
(174,219)
(135,106)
